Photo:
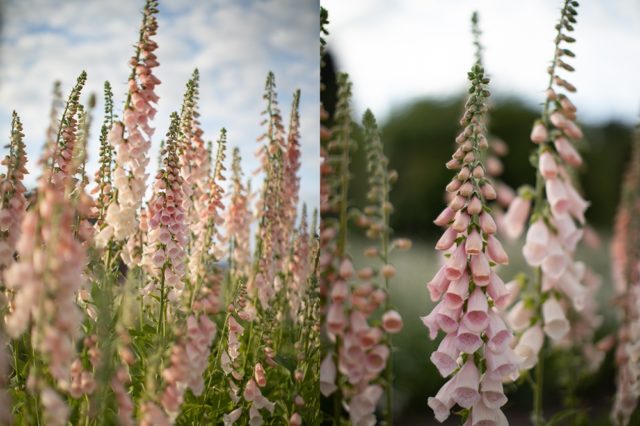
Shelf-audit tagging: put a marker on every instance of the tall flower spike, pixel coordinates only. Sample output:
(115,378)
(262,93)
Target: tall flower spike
(194,161)
(238,220)
(625,257)
(60,160)
(377,220)
(13,203)
(57,104)
(291,181)
(164,253)
(131,139)
(270,239)
(50,270)
(208,246)
(556,293)
(334,266)
(472,353)
(103,188)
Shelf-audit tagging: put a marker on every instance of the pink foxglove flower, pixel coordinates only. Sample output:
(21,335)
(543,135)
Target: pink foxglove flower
(164,254)
(13,203)
(625,259)
(50,268)
(539,133)
(327,375)
(152,415)
(392,322)
(56,411)
(554,230)
(514,220)
(238,219)
(131,138)
(476,346)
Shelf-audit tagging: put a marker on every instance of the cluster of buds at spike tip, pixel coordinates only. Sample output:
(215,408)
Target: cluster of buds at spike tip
(625,257)
(238,220)
(497,147)
(60,159)
(476,350)
(556,225)
(13,203)
(164,253)
(57,104)
(131,138)
(103,189)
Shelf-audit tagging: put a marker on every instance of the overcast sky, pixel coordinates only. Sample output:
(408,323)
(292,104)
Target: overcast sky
(405,49)
(233,43)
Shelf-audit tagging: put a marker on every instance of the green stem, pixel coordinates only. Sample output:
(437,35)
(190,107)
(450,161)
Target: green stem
(161,325)
(538,416)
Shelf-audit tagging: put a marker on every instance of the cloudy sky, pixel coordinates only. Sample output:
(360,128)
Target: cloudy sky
(397,51)
(233,43)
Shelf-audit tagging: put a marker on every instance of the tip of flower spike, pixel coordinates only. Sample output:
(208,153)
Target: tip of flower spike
(368,119)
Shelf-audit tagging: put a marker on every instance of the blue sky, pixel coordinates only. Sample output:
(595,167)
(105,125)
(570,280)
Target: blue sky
(406,49)
(233,43)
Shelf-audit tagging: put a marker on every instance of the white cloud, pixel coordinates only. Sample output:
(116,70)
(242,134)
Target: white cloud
(234,45)
(396,51)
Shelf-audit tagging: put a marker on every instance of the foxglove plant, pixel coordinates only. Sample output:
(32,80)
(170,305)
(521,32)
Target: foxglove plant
(238,220)
(334,265)
(376,220)
(103,178)
(164,253)
(131,139)
(555,225)
(476,350)
(271,205)
(625,257)
(13,203)
(207,239)
(291,167)
(50,270)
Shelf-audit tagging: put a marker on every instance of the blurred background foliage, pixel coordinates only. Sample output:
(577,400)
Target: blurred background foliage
(419,139)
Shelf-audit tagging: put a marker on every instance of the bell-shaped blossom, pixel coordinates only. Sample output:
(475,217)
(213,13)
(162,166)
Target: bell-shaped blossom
(556,324)
(529,346)
(514,220)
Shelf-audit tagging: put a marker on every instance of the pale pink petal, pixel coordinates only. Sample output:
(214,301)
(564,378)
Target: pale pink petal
(467,382)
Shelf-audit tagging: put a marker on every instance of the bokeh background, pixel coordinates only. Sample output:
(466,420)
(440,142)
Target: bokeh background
(408,61)
(233,43)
